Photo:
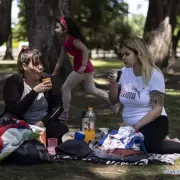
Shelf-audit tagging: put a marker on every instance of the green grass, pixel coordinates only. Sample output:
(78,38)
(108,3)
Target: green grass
(15,43)
(106,65)
(7,68)
(72,170)
(99,65)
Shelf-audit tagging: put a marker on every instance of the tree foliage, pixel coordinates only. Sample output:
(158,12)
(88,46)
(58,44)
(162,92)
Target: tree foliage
(136,23)
(20,29)
(103,22)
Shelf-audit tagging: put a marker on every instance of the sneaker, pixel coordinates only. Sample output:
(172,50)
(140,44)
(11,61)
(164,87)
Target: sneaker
(63,116)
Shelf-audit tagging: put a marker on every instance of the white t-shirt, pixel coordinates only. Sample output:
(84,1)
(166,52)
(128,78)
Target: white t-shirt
(135,96)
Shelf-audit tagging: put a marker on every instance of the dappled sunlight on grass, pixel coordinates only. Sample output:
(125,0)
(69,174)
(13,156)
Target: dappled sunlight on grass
(111,64)
(101,81)
(131,173)
(172,92)
(104,118)
(172,106)
(108,172)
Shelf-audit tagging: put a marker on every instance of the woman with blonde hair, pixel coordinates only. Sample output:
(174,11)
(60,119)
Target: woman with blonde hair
(140,90)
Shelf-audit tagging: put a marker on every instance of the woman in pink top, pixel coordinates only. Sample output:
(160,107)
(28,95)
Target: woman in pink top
(74,44)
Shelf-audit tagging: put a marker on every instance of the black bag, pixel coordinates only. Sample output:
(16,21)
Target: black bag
(74,147)
(29,153)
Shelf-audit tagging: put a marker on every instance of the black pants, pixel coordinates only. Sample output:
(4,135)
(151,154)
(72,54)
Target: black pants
(56,129)
(154,133)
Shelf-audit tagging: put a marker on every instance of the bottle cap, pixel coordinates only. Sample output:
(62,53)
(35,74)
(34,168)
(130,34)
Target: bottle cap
(90,108)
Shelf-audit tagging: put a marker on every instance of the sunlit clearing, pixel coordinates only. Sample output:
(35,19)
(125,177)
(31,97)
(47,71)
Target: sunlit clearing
(101,81)
(108,172)
(172,92)
(107,64)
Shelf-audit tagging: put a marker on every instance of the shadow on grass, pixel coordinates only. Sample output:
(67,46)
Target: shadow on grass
(75,170)
(72,170)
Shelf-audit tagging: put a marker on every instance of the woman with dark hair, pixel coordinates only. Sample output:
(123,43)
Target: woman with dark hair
(27,97)
(74,44)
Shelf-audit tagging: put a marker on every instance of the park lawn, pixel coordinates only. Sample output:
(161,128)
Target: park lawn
(106,65)
(10,65)
(72,170)
(75,170)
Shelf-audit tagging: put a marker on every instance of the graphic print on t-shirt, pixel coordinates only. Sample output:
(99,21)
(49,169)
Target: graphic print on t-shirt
(135,89)
(130,94)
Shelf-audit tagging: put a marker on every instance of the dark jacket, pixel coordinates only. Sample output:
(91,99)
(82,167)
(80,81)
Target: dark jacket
(12,92)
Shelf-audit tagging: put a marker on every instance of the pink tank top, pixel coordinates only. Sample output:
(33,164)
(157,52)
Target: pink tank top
(77,54)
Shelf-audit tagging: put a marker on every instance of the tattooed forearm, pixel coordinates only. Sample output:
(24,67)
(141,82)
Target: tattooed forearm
(157,98)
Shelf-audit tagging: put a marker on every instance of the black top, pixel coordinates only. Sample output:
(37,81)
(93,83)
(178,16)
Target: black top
(12,92)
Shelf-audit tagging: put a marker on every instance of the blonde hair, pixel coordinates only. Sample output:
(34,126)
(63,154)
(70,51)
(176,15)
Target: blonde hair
(138,46)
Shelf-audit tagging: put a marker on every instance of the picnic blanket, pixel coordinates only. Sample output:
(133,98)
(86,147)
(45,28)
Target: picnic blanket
(117,148)
(124,138)
(168,159)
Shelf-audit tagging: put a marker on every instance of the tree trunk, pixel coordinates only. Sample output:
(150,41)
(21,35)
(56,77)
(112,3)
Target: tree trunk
(5,19)
(159,26)
(65,6)
(175,44)
(8,54)
(41,16)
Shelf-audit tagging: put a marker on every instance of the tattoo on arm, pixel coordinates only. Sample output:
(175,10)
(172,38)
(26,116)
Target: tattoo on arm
(157,98)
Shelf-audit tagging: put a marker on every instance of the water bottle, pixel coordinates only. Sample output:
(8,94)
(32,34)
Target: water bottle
(88,125)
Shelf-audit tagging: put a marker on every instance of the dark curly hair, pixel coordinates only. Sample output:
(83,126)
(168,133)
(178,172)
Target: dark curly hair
(72,29)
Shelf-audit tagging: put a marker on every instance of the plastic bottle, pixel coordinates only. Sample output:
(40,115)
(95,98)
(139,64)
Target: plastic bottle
(88,125)
(83,119)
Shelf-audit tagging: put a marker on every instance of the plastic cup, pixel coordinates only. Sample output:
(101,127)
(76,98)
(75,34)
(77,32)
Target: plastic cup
(46,79)
(79,136)
(52,144)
